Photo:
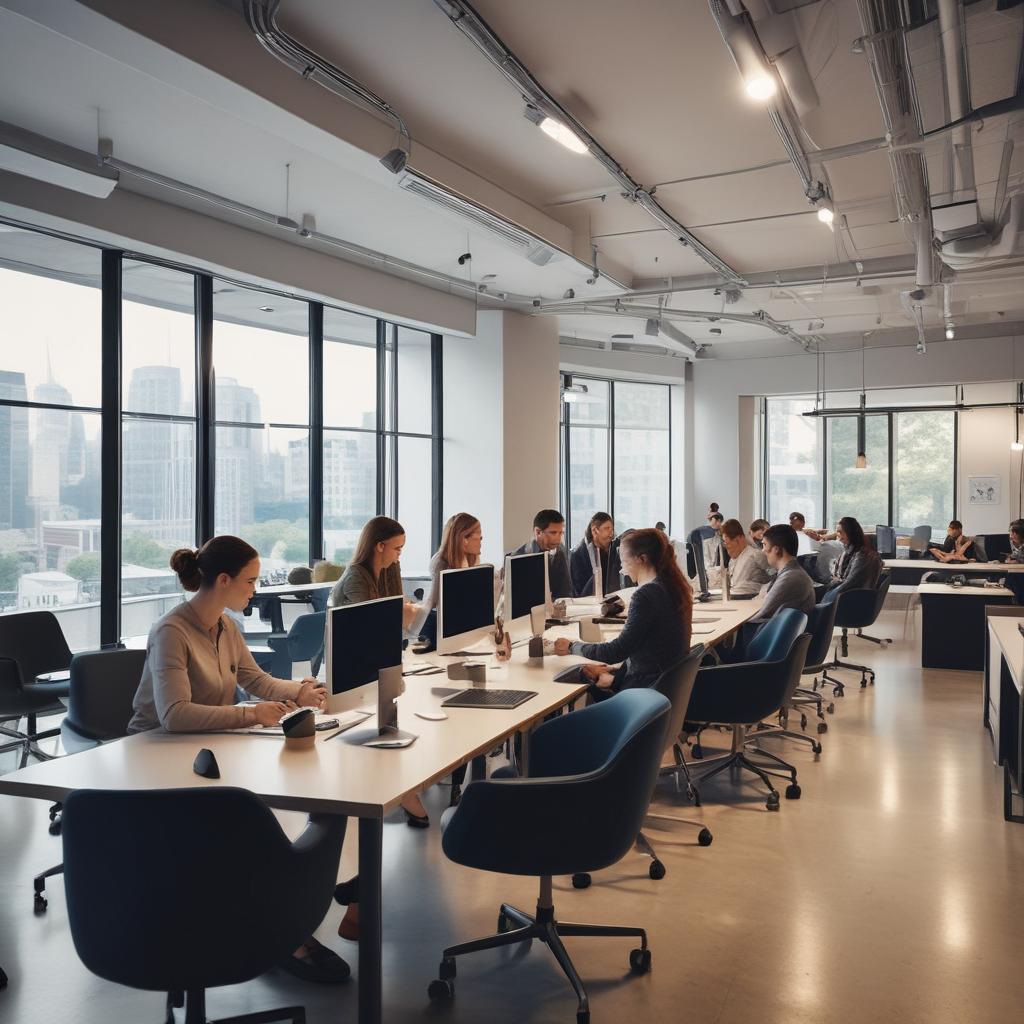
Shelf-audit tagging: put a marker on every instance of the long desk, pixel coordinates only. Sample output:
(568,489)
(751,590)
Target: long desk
(908,571)
(268,599)
(339,776)
(1004,707)
(953,624)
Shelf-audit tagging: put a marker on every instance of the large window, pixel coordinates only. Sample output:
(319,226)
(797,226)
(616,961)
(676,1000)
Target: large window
(910,477)
(793,461)
(616,454)
(164,405)
(50,383)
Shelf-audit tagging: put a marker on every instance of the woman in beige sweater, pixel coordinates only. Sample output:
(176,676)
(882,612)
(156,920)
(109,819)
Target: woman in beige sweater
(196,658)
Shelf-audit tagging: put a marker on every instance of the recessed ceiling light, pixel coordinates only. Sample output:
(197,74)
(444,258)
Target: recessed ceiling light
(554,129)
(760,87)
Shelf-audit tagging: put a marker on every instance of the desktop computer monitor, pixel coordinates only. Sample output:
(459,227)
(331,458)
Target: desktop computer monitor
(526,584)
(362,639)
(885,541)
(697,558)
(465,607)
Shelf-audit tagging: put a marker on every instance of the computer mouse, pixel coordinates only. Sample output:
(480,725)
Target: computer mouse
(205,764)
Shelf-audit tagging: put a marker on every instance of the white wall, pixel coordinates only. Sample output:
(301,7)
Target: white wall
(501,395)
(722,434)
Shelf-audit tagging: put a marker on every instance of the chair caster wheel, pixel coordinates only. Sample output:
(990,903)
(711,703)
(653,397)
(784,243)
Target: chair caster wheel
(792,791)
(40,904)
(772,803)
(863,683)
(656,870)
(581,880)
(803,721)
(640,961)
(582,1017)
(822,727)
(698,751)
(446,971)
(54,827)
(440,991)
(704,837)
(815,748)
(831,709)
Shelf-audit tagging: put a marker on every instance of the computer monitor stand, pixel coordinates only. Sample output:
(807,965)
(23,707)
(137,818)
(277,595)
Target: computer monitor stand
(390,686)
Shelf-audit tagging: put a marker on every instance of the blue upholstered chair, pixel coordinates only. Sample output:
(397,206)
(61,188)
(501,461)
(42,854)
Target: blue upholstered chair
(856,610)
(742,694)
(591,776)
(303,642)
(148,905)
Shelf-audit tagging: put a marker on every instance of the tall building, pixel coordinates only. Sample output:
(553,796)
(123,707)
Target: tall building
(238,451)
(14,454)
(51,448)
(159,459)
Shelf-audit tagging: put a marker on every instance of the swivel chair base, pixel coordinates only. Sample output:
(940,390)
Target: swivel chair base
(765,730)
(882,641)
(195,1011)
(514,927)
(28,741)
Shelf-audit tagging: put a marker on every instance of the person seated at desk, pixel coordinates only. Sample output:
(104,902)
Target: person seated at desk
(196,659)
(461,542)
(748,569)
(757,528)
(594,562)
(1016,542)
(791,587)
(548,531)
(859,566)
(657,631)
(956,547)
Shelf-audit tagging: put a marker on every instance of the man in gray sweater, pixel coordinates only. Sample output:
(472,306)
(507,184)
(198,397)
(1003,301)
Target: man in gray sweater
(791,587)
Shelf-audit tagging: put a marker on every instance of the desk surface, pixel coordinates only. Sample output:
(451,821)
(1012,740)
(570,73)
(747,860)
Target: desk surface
(1003,629)
(283,589)
(931,565)
(968,591)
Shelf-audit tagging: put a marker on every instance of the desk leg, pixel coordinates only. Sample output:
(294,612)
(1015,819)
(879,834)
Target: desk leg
(371,843)
(478,769)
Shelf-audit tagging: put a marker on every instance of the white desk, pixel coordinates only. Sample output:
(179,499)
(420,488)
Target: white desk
(339,776)
(1004,707)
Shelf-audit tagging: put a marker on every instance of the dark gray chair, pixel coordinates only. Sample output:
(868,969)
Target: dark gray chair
(857,609)
(303,642)
(580,809)
(102,689)
(31,644)
(149,905)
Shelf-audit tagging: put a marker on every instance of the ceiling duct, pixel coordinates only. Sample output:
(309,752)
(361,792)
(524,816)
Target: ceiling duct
(261,16)
(465,18)
(533,248)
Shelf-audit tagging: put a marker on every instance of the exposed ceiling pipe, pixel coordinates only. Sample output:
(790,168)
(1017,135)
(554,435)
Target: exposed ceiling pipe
(677,340)
(262,18)
(741,39)
(884,42)
(465,18)
(615,307)
(307,230)
(954,61)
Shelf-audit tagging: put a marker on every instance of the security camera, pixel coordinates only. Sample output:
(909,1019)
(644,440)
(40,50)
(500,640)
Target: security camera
(465,258)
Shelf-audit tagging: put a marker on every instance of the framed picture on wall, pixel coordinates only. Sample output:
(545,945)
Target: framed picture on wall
(983,490)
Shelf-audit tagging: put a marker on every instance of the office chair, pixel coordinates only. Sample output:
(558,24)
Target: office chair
(591,777)
(676,684)
(149,905)
(821,626)
(102,689)
(855,610)
(35,643)
(303,642)
(742,694)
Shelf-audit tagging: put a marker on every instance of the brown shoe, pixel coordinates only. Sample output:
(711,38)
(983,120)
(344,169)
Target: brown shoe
(349,927)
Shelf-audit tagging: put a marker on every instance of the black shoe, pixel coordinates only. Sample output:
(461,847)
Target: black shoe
(319,964)
(347,892)
(416,820)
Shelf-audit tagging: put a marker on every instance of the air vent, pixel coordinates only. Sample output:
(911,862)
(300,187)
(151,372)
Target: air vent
(535,250)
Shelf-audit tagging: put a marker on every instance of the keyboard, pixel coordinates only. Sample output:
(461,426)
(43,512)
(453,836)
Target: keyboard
(478,698)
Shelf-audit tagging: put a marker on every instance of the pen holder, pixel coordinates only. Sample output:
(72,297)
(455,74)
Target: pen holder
(473,671)
(299,729)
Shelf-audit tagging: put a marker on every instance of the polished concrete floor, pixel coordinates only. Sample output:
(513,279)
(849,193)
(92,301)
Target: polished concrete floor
(891,891)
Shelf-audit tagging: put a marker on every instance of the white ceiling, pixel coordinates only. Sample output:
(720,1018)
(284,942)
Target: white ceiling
(654,84)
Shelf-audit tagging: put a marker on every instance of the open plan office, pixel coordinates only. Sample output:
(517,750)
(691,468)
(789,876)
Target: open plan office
(511,512)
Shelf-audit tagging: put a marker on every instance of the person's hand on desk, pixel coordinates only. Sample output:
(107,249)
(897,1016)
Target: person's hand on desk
(312,694)
(562,646)
(270,712)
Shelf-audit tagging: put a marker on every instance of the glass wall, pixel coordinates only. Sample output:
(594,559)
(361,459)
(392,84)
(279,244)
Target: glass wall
(298,453)
(50,430)
(861,493)
(793,480)
(925,469)
(616,454)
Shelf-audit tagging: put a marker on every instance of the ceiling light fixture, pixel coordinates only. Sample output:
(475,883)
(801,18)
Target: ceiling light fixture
(42,159)
(760,87)
(825,212)
(950,332)
(572,392)
(1016,445)
(554,129)
(861,462)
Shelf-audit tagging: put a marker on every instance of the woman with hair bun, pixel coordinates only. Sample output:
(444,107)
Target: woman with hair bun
(196,658)
(658,624)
